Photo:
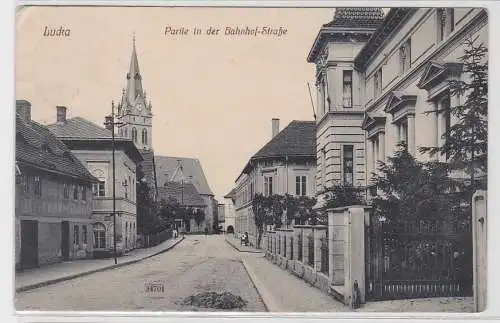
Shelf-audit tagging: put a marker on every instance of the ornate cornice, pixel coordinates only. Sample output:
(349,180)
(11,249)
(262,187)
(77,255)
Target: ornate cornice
(436,72)
(398,100)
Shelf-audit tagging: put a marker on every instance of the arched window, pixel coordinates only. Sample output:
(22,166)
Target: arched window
(134,135)
(99,236)
(144,136)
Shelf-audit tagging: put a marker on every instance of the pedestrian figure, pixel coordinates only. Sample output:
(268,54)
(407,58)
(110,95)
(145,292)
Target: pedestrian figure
(245,237)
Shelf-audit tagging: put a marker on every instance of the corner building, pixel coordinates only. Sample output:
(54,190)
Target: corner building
(377,75)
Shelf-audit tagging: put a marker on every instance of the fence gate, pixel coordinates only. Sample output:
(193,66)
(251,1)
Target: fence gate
(418,258)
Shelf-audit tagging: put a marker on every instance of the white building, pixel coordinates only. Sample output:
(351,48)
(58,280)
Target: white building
(377,76)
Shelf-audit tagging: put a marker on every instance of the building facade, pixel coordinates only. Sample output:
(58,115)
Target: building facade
(378,77)
(285,165)
(93,146)
(53,200)
(229,212)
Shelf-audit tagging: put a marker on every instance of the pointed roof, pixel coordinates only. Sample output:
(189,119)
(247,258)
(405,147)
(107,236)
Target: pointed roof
(397,99)
(185,194)
(177,169)
(134,79)
(38,147)
(435,71)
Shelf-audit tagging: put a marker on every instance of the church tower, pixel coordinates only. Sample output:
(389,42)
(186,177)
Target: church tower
(134,112)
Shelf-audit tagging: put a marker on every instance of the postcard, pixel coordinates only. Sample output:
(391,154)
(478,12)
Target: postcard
(251,159)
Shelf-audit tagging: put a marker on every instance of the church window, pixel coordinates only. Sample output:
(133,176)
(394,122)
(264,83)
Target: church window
(134,135)
(144,136)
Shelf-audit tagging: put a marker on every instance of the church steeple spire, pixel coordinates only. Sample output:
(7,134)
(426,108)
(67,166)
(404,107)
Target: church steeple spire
(134,79)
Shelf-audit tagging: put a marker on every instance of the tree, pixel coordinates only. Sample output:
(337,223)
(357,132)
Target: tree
(147,215)
(466,141)
(409,189)
(260,207)
(343,195)
(300,209)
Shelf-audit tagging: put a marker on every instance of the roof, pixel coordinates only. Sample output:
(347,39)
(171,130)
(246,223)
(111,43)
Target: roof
(185,194)
(231,194)
(80,128)
(39,148)
(348,24)
(79,133)
(175,169)
(357,17)
(393,18)
(296,139)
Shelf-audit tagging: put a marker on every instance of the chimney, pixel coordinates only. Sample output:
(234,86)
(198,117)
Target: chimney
(23,109)
(61,114)
(275,126)
(108,122)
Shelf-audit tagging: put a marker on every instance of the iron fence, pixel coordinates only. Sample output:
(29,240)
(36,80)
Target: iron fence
(310,246)
(291,247)
(299,251)
(324,255)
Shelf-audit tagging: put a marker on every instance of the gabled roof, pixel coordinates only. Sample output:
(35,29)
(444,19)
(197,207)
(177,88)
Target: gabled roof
(397,99)
(37,147)
(370,121)
(79,133)
(168,169)
(185,194)
(296,139)
(80,128)
(231,194)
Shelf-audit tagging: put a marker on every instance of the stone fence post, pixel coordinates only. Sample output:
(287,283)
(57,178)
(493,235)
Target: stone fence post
(297,232)
(306,231)
(288,241)
(354,253)
(336,235)
(479,229)
(319,233)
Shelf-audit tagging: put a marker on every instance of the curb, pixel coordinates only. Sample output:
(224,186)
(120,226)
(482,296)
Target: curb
(238,249)
(267,299)
(60,279)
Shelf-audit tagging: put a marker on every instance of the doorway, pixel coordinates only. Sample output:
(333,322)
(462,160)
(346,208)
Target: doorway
(29,244)
(65,240)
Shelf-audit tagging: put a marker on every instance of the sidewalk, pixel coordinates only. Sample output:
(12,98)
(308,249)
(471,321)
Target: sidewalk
(236,244)
(53,273)
(282,292)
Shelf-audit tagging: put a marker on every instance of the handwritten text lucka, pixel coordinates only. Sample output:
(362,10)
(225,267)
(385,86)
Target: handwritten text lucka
(228,31)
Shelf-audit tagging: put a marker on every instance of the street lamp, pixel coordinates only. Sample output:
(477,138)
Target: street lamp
(110,124)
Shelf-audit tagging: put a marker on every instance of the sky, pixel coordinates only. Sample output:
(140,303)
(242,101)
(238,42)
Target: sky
(213,96)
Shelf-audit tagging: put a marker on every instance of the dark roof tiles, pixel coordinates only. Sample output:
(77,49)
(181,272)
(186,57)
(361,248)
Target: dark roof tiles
(38,147)
(362,17)
(185,194)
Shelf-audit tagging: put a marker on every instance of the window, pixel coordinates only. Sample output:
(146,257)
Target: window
(134,135)
(377,82)
(252,190)
(323,167)
(445,107)
(300,185)
(268,186)
(84,234)
(347,89)
(348,164)
(144,136)
(26,181)
(125,185)
(66,191)
(84,193)
(403,131)
(405,56)
(76,236)
(37,186)
(98,189)
(99,236)
(375,148)
(446,22)
(126,133)
(75,192)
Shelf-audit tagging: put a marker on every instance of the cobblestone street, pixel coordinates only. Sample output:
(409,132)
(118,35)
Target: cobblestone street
(197,264)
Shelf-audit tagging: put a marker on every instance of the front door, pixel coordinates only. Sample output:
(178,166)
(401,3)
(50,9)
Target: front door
(65,240)
(29,244)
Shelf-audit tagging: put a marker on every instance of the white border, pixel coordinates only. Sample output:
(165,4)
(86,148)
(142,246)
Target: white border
(7,9)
